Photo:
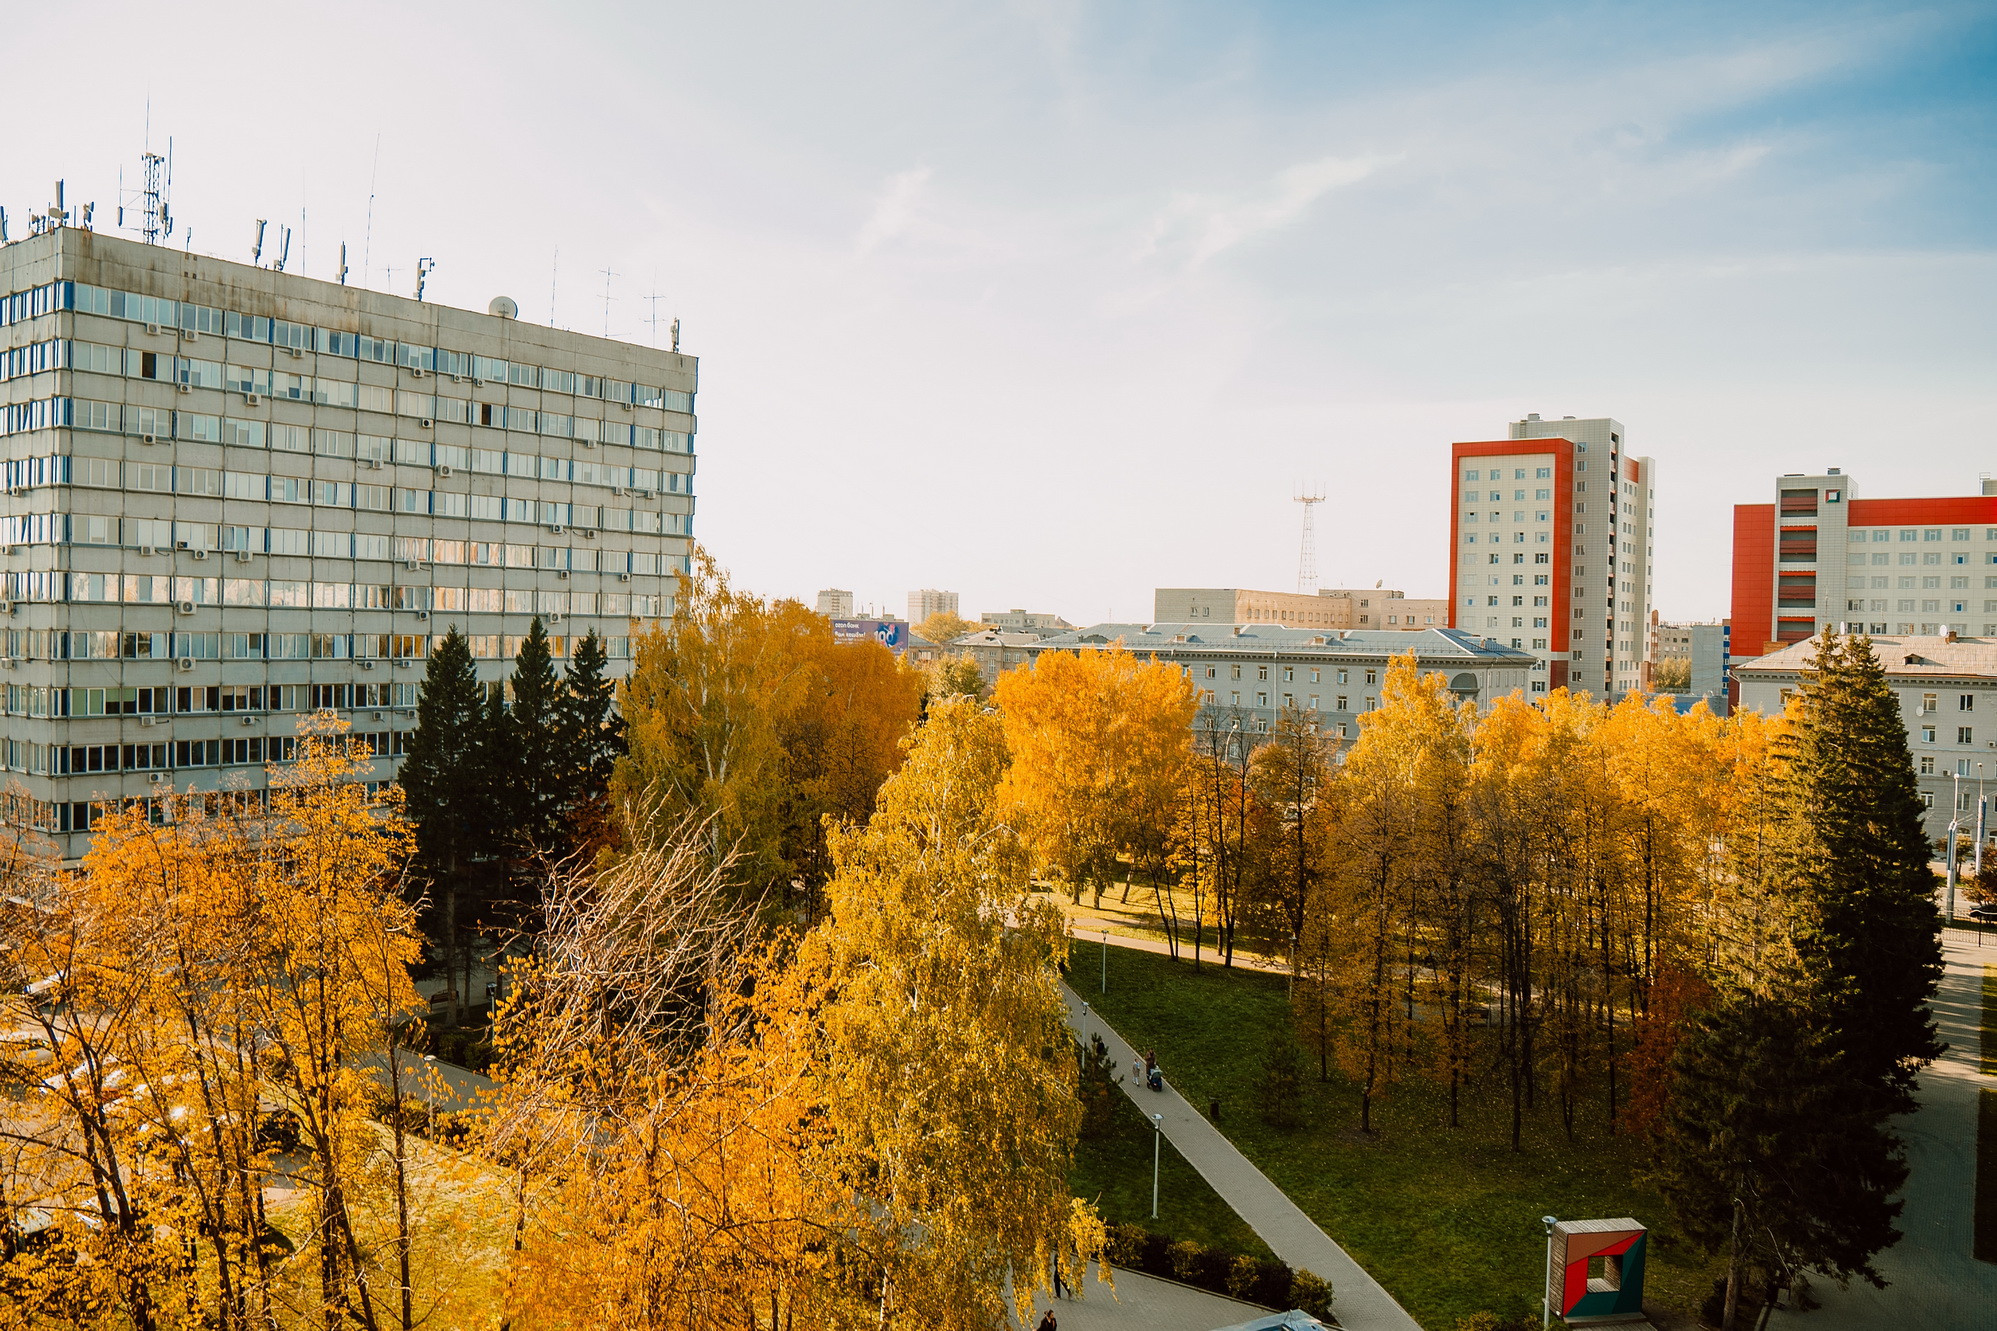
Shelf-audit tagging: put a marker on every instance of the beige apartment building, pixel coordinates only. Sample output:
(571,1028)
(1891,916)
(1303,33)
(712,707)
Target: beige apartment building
(235,496)
(835,603)
(1332,608)
(1551,545)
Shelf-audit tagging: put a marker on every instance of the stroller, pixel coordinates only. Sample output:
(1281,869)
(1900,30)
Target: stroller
(1157,1080)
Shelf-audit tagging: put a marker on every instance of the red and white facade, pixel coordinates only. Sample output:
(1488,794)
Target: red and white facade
(1551,548)
(1818,557)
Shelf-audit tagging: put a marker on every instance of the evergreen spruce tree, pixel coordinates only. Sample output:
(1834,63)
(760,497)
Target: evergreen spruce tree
(1773,1150)
(1868,933)
(444,782)
(590,739)
(536,782)
(442,777)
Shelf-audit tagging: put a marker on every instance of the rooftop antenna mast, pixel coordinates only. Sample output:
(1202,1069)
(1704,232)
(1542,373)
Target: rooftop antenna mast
(607,276)
(424,267)
(1310,497)
(153,199)
(653,300)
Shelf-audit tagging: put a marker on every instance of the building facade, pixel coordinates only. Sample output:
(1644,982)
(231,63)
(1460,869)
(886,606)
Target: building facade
(1948,699)
(1703,648)
(1331,608)
(1256,670)
(1024,621)
(1551,547)
(995,651)
(835,604)
(235,496)
(929,601)
(1818,557)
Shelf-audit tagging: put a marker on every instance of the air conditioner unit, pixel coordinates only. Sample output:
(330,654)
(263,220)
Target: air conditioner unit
(617,489)
(554,616)
(145,549)
(6,607)
(412,564)
(378,716)
(589,533)
(644,494)
(423,423)
(159,778)
(252,399)
(561,573)
(297,353)
(184,607)
(555,527)
(625,405)
(185,388)
(457,378)
(589,443)
(148,720)
(624,577)
(153,329)
(200,552)
(443,469)
(367,665)
(6,663)
(186,663)
(422,614)
(415,372)
(242,556)
(148,438)
(374,464)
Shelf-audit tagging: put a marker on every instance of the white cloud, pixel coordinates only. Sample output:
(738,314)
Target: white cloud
(1200,226)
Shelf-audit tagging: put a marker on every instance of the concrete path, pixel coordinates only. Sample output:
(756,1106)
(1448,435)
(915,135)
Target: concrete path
(1932,1279)
(1359,1301)
(1142,1303)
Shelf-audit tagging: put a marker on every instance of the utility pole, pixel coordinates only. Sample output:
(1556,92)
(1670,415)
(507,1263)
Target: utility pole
(1157,1136)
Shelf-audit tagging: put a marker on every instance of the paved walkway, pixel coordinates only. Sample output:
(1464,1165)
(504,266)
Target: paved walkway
(1932,1279)
(1142,1303)
(1359,1300)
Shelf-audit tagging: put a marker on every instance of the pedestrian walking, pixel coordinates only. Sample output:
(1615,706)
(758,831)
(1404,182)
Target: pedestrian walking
(1048,1322)
(1060,1286)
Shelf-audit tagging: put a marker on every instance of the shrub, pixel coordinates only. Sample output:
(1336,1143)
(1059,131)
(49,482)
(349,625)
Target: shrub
(1244,1273)
(1101,1101)
(1272,1285)
(1186,1255)
(1310,1292)
(1125,1245)
(1480,1321)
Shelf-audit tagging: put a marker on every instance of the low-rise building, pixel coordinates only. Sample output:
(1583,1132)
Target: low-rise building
(1255,670)
(1703,649)
(1947,688)
(1025,621)
(1330,608)
(995,651)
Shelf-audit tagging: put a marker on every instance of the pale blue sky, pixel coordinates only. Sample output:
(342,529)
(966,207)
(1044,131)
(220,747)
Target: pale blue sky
(1055,303)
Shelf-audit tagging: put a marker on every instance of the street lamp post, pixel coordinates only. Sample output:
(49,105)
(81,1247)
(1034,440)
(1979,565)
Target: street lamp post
(1546,1280)
(1105,961)
(1157,1135)
(1976,861)
(1954,829)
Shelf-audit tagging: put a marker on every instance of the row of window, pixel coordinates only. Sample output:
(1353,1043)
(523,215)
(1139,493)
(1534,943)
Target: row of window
(112,473)
(195,700)
(1541,516)
(167,755)
(1496,495)
(201,320)
(190,594)
(1860,536)
(1289,673)
(154,424)
(189,648)
(167,534)
(1498,474)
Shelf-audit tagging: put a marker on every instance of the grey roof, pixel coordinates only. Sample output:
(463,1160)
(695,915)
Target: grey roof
(996,638)
(1434,644)
(1902,657)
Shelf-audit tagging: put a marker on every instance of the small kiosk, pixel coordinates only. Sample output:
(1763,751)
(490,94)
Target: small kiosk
(1594,1271)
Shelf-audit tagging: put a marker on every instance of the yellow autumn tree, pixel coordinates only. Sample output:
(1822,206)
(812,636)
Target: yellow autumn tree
(947,1076)
(1100,742)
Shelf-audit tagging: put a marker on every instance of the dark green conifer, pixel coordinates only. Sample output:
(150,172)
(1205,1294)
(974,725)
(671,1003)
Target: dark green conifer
(443,776)
(1868,931)
(590,739)
(532,773)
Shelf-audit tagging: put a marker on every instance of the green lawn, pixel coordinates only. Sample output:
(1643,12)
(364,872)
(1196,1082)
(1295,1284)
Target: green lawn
(1114,1172)
(1447,1220)
(1987,1062)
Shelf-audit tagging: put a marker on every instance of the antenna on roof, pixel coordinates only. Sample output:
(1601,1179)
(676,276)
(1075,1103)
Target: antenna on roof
(283,251)
(607,275)
(367,236)
(343,263)
(653,300)
(256,250)
(1310,497)
(554,274)
(3,226)
(424,267)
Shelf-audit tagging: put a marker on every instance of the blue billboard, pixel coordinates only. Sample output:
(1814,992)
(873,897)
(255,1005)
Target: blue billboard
(890,633)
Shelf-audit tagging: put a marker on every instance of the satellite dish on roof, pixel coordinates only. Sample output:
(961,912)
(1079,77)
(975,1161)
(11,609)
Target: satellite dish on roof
(504,306)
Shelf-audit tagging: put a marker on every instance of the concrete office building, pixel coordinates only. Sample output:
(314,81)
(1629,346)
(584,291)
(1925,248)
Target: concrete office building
(1331,608)
(835,604)
(1254,671)
(234,496)
(1551,544)
(1024,621)
(929,601)
(1818,557)
(1947,688)
(995,651)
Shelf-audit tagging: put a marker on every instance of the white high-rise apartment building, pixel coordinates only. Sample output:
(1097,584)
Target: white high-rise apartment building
(929,601)
(835,603)
(234,496)
(1551,547)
